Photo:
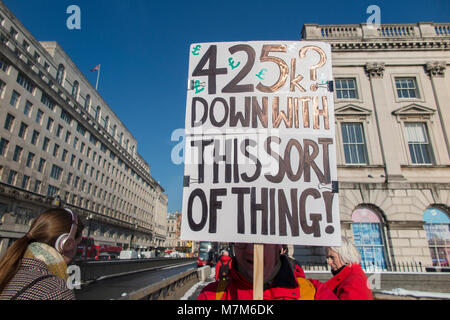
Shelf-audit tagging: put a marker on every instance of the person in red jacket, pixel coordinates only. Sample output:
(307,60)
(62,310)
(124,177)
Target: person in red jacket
(223,267)
(349,281)
(280,280)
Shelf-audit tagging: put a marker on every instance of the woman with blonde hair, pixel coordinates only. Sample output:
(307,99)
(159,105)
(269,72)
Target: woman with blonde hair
(349,281)
(35,266)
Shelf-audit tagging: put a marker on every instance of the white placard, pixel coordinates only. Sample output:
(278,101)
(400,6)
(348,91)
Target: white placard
(260,154)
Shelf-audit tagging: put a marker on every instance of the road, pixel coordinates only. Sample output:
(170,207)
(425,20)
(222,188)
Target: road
(114,288)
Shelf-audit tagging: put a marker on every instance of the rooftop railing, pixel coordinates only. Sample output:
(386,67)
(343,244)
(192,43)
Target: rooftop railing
(364,31)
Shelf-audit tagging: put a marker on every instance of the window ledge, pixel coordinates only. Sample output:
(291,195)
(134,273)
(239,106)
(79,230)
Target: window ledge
(414,166)
(359,166)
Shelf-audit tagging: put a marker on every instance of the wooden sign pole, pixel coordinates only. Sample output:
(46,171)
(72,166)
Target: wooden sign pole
(258,271)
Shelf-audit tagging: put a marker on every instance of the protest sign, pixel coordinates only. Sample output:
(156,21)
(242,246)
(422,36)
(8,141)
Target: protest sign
(260,155)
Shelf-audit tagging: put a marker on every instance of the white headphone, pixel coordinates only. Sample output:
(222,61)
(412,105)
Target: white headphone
(66,242)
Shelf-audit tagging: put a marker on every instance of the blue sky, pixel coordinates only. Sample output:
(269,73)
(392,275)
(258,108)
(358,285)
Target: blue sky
(143,47)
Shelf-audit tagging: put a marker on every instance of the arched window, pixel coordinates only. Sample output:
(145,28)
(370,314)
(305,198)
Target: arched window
(87,102)
(368,237)
(437,227)
(97,113)
(60,74)
(114,130)
(107,123)
(75,89)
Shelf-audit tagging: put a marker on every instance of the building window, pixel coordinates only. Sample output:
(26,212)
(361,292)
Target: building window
(69,178)
(12,177)
(67,138)
(81,130)
(52,190)
(3,65)
(15,97)
(75,90)
(46,100)
(39,116)
(107,123)
(56,172)
(17,153)
(367,233)
(13,32)
(97,113)
(59,131)
(114,130)
(34,137)
(437,227)
(3,146)
(87,102)
(55,150)
(9,121)
(41,166)
(27,108)
(45,144)
(49,124)
(37,186)
(66,117)
(30,159)
(36,56)
(2,88)
(407,88)
(419,143)
(60,74)
(76,182)
(25,181)
(354,143)
(346,88)
(23,130)
(25,82)
(64,155)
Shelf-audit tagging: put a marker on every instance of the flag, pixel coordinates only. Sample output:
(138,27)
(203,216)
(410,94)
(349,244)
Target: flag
(96,68)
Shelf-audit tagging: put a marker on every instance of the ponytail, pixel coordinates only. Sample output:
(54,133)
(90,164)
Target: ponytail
(47,227)
(10,262)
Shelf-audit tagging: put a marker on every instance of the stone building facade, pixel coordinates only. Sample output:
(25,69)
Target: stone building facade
(392,102)
(60,141)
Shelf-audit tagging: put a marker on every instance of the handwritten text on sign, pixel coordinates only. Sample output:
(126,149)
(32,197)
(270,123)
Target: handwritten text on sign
(260,152)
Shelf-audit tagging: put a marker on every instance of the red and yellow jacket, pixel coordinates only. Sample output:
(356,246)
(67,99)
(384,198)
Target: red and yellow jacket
(286,285)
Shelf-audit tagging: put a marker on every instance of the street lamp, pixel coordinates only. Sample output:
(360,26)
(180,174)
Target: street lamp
(133,232)
(89,219)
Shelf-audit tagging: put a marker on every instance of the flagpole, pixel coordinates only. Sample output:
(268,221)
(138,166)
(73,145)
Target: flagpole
(98,76)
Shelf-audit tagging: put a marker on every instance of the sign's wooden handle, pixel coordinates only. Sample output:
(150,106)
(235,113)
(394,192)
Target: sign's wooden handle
(258,271)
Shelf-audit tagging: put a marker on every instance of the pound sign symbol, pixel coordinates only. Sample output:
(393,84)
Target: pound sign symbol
(231,63)
(261,73)
(196,50)
(197,86)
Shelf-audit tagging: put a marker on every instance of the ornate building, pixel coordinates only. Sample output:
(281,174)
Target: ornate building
(392,97)
(173,241)
(60,141)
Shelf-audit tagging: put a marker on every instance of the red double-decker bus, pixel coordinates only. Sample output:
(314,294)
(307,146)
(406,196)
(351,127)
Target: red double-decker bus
(88,250)
(206,253)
